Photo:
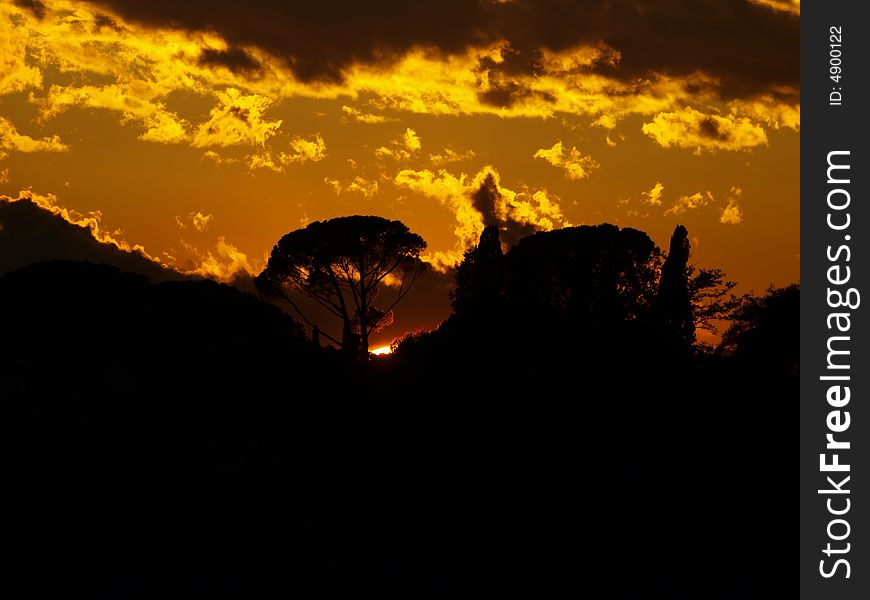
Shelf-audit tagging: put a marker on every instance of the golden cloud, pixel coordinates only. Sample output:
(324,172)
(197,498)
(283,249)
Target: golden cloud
(411,140)
(769,111)
(265,160)
(368,118)
(732,213)
(575,165)
(427,83)
(238,119)
(10,139)
(225,264)
(217,158)
(133,70)
(160,124)
(448,155)
(689,203)
(15,39)
(358,185)
(313,150)
(690,128)
(654,196)
(789,6)
(403,148)
(526,210)
(198,220)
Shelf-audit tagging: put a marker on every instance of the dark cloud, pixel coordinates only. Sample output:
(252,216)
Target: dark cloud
(235,59)
(29,234)
(748,47)
(710,128)
(504,90)
(101,21)
(486,200)
(34,6)
(507,93)
(319,39)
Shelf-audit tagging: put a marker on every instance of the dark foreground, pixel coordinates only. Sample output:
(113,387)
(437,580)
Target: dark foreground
(183,439)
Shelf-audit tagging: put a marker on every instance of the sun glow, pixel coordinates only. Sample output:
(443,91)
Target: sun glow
(381,350)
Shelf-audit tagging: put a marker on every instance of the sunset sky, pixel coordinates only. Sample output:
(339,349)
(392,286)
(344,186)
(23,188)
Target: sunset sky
(204,131)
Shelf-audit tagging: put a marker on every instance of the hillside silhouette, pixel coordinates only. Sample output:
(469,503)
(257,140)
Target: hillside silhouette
(30,234)
(559,432)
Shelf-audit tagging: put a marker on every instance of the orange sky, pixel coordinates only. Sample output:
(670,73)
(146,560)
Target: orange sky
(204,136)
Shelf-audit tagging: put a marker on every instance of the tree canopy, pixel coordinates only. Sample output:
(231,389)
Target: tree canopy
(590,281)
(341,264)
(765,330)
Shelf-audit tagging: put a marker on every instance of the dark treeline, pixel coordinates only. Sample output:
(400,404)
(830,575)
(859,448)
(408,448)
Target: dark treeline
(561,433)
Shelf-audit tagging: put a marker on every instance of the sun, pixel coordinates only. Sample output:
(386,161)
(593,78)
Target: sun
(381,350)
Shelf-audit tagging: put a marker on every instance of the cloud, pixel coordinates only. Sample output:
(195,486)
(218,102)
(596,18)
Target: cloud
(575,165)
(225,264)
(479,201)
(368,118)
(403,148)
(448,155)
(4,175)
(454,192)
(732,214)
(313,149)
(265,160)
(201,221)
(197,219)
(17,73)
(235,59)
(768,110)
(143,68)
(411,140)
(358,185)
(36,228)
(217,158)
(604,61)
(10,139)
(35,6)
(690,128)
(303,36)
(238,119)
(160,124)
(654,196)
(690,203)
(789,6)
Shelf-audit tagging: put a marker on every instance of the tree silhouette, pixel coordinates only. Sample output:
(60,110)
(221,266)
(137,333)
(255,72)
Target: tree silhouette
(587,275)
(674,301)
(765,330)
(711,297)
(340,264)
(480,276)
